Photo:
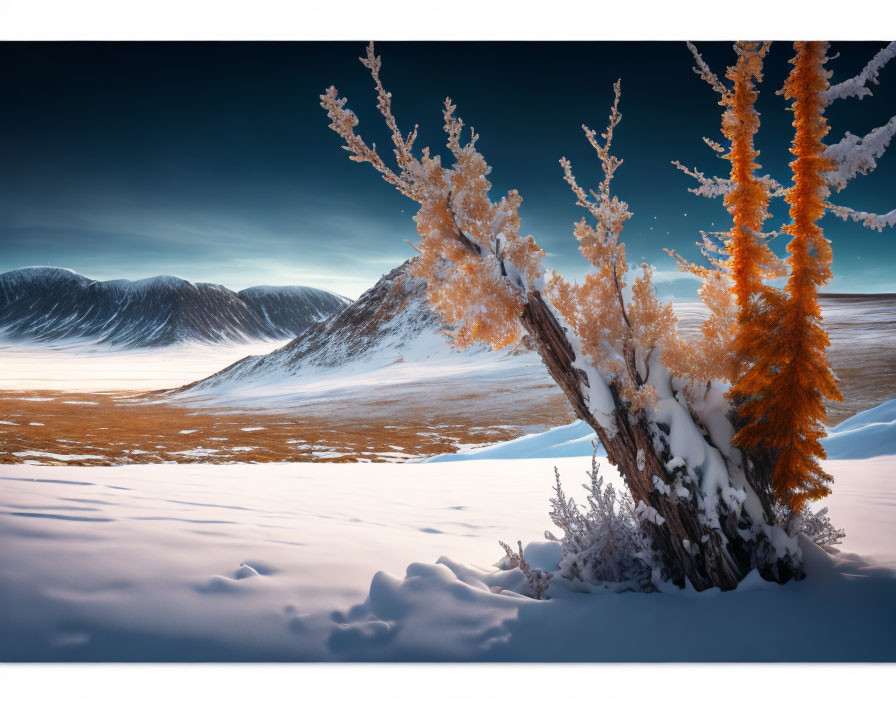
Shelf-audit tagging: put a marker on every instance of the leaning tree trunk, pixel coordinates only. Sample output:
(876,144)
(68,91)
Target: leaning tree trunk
(707,558)
(687,548)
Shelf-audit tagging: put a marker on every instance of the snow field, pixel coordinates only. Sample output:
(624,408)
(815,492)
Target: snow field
(92,367)
(346,562)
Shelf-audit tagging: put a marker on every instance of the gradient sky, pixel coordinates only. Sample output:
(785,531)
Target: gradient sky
(213,161)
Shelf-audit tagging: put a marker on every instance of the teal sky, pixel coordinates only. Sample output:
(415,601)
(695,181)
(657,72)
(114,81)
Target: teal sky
(213,161)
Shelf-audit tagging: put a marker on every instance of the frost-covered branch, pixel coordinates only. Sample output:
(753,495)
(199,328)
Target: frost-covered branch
(815,526)
(343,122)
(870,220)
(609,162)
(710,186)
(606,544)
(775,189)
(481,294)
(403,144)
(854,155)
(715,146)
(706,73)
(857,86)
(713,186)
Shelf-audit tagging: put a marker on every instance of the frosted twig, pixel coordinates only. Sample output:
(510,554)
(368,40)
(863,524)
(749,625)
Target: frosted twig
(856,87)
(710,187)
(854,155)
(608,162)
(870,220)
(384,103)
(715,146)
(706,73)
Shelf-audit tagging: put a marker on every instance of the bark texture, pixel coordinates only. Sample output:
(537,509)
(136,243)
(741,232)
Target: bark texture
(688,550)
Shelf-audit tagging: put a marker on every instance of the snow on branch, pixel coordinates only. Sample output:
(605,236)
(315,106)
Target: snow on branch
(403,144)
(854,155)
(871,220)
(715,146)
(713,186)
(706,73)
(856,87)
(775,189)
(710,187)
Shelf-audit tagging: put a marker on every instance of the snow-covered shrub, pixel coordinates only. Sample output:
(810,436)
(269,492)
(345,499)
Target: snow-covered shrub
(605,543)
(815,526)
(536,579)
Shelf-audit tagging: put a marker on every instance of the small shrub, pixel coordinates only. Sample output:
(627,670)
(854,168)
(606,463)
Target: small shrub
(604,543)
(815,526)
(536,580)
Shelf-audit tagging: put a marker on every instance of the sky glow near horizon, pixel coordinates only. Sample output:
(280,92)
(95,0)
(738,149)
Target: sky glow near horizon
(213,161)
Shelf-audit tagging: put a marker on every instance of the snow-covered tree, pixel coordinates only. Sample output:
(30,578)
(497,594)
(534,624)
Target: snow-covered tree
(619,359)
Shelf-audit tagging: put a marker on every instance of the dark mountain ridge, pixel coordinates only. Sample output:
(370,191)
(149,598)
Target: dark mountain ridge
(49,304)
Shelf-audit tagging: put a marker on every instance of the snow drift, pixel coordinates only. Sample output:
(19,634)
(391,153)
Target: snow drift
(867,434)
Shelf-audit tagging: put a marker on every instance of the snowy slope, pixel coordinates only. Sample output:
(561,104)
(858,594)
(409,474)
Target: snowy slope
(296,562)
(388,339)
(867,434)
(390,322)
(48,304)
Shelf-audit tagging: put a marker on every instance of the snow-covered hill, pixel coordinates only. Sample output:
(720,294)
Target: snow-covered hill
(49,304)
(390,323)
(387,346)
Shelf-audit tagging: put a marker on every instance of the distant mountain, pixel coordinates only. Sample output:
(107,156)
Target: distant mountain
(49,304)
(391,322)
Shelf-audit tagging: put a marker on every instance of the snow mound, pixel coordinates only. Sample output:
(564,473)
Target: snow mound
(867,434)
(573,440)
(456,612)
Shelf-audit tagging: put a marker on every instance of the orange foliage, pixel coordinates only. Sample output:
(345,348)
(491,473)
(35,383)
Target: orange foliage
(750,260)
(619,338)
(791,378)
(477,266)
(740,260)
(480,272)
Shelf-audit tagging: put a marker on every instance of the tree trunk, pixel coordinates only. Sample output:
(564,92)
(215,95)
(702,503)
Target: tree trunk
(687,549)
(707,558)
